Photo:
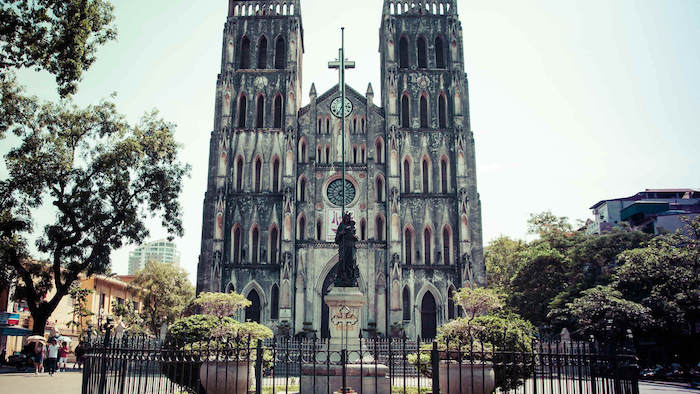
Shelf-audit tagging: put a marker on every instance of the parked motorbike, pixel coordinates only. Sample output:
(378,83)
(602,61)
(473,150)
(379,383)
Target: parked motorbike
(20,361)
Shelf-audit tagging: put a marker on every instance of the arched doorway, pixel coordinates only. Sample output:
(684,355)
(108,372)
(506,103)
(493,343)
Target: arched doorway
(327,286)
(252,312)
(428,316)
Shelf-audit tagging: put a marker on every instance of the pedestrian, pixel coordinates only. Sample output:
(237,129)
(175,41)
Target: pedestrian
(52,356)
(38,357)
(79,352)
(63,357)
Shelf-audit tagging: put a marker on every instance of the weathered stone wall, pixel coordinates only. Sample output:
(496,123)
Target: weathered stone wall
(439,197)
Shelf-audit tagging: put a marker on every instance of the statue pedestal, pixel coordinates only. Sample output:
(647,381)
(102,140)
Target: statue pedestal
(366,375)
(345,315)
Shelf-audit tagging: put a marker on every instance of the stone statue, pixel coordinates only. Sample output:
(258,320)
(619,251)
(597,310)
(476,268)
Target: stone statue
(348,272)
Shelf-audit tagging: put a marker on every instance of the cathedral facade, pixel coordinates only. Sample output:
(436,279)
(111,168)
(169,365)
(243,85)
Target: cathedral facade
(274,190)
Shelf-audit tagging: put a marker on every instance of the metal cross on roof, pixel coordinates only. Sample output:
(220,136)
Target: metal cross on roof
(341,63)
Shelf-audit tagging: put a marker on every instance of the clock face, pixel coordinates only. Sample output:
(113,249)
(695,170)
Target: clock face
(337,108)
(335,192)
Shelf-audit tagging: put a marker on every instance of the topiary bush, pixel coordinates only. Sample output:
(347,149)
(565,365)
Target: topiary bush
(195,328)
(214,335)
(486,334)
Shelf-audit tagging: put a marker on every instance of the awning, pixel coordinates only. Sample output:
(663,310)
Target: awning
(12,331)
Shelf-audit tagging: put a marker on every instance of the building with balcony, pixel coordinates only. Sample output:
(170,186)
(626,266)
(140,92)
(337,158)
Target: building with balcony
(653,211)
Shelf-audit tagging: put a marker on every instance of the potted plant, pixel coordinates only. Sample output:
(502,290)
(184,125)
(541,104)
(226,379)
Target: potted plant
(466,345)
(222,351)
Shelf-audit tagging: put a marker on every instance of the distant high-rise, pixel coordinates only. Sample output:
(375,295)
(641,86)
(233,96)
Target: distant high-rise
(162,251)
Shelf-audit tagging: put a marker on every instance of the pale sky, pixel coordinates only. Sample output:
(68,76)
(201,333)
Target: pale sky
(571,101)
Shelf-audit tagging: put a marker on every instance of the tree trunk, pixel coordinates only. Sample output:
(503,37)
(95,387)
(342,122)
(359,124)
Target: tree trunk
(41,317)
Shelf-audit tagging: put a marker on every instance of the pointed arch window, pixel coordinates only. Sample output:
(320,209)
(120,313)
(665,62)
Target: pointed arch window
(363,230)
(364,126)
(302,226)
(328,154)
(423,112)
(302,189)
(252,312)
(245,53)
(403,52)
(439,53)
(278,112)
(426,176)
(242,104)
(274,242)
(406,310)
(379,228)
(363,155)
(319,232)
(354,154)
(446,245)
(426,246)
(280,53)
(236,244)
(319,126)
(239,173)
(380,189)
(406,176)
(422,52)
(275,302)
(443,175)
(258,175)
(302,151)
(260,112)
(380,150)
(408,246)
(276,175)
(262,53)
(405,115)
(255,246)
(354,125)
(442,112)
(328,125)
(319,156)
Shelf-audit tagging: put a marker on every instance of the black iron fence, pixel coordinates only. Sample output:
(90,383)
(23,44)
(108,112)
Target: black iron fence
(128,364)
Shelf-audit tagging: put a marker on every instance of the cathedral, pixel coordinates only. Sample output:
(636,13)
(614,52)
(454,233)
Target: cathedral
(274,190)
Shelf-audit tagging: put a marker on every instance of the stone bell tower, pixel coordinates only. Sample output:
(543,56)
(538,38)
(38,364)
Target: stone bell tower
(247,232)
(434,212)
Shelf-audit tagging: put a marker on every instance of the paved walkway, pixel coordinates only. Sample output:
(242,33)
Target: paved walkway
(27,382)
(69,383)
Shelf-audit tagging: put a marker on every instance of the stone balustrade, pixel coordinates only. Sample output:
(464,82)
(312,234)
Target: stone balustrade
(263,7)
(435,7)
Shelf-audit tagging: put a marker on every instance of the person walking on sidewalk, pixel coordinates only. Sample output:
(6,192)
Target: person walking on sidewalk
(79,355)
(63,357)
(52,356)
(38,357)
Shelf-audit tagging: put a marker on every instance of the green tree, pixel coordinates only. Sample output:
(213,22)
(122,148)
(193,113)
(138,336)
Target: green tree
(546,224)
(58,36)
(592,260)
(80,311)
(504,258)
(165,291)
(537,283)
(102,176)
(602,309)
(130,317)
(665,277)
